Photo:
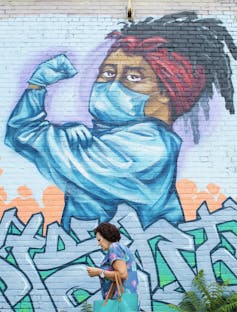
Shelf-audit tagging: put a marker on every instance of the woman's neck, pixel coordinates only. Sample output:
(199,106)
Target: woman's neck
(160,111)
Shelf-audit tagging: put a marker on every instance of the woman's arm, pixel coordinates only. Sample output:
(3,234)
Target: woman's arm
(118,265)
(121,267)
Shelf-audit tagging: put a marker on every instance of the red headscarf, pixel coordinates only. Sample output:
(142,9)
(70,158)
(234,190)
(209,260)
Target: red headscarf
(183,82)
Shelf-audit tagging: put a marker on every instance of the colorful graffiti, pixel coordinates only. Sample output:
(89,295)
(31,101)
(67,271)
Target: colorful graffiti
(122,169)
(33,269)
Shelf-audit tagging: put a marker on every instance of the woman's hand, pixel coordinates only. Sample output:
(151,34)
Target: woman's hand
(53,70)
(92,272)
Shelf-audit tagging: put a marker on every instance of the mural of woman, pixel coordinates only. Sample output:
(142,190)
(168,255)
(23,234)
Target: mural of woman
(155,71)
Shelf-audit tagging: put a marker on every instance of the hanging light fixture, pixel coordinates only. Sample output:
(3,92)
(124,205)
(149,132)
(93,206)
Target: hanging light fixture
(130,11)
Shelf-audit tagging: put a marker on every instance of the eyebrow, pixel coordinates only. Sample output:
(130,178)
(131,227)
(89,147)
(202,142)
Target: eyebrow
(137,68)
(114,66)
(111,65)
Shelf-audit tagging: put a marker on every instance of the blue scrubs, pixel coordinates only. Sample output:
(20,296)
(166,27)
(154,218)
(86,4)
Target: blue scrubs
(133,163)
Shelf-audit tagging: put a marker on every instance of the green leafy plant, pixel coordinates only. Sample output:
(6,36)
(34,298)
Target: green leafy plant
(86,307)
(207,298)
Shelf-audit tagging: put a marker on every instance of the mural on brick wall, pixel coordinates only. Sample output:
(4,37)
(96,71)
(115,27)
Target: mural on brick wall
(119,161)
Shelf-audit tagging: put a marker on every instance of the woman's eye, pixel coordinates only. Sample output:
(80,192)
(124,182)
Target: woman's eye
(108,74)
(134,78)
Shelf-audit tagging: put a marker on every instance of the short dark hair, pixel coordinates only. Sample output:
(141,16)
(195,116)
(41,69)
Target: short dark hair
(108,231)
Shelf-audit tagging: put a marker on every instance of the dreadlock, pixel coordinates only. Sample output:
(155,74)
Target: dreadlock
(203,42)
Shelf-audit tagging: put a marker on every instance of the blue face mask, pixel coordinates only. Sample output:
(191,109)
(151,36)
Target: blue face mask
(111,102)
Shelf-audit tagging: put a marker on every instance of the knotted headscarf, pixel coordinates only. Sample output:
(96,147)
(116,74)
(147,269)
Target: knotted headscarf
(183,81)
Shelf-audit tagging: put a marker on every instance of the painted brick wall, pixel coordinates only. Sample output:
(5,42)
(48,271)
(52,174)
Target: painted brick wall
(44,254)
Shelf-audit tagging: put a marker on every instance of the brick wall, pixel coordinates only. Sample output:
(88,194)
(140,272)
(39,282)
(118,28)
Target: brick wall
(44,255)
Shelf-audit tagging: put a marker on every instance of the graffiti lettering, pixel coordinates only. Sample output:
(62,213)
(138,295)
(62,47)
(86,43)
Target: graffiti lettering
(35,264)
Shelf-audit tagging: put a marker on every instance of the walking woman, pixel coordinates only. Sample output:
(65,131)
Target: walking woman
(118,258)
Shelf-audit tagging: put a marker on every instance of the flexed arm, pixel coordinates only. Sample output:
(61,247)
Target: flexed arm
(30,107)
(99,171)
(28,131)
(29,114)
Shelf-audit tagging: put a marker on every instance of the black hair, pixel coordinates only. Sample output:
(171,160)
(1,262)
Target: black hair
(204,42)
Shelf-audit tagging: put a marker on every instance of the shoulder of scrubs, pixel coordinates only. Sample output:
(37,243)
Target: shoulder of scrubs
(149,140)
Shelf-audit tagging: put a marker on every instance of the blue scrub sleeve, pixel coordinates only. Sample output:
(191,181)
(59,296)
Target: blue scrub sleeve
(135,164)
(69,153)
